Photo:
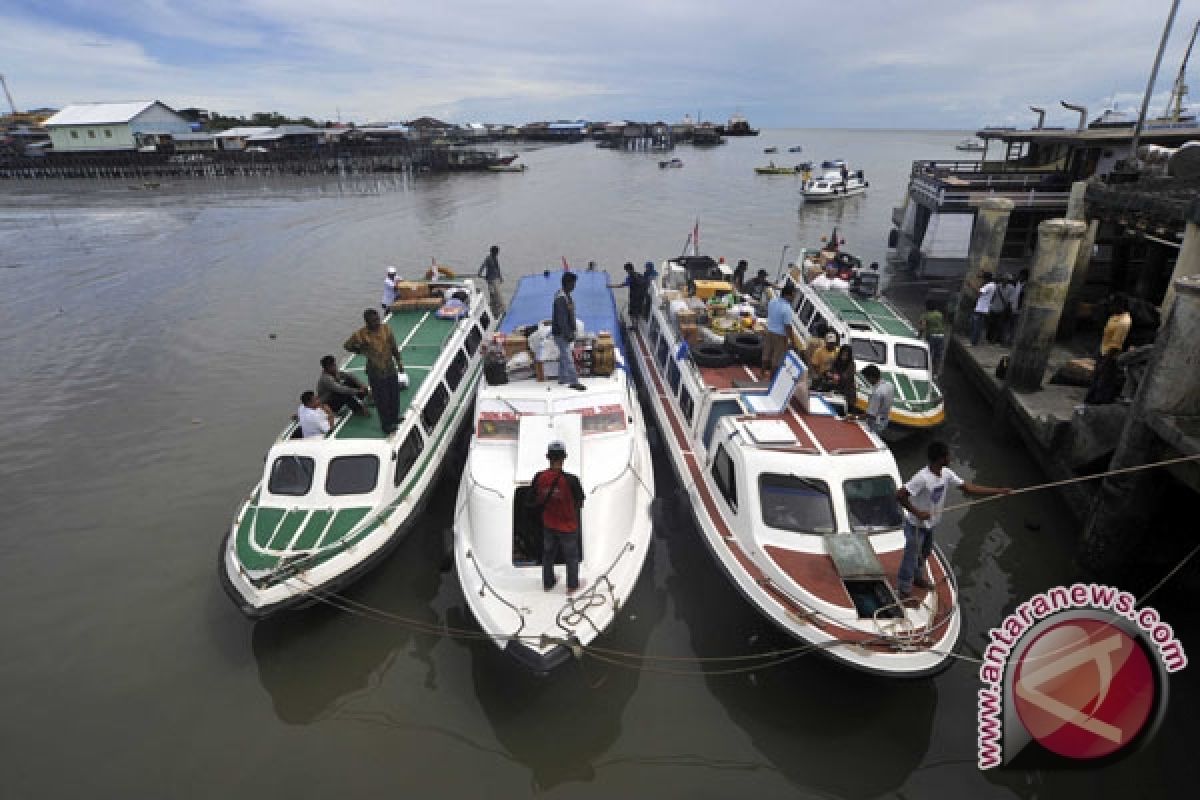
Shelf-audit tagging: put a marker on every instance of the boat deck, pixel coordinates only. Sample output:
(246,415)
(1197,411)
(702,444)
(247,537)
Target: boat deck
(421,336)
(880,316)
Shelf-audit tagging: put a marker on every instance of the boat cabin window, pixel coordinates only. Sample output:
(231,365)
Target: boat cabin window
(497,425)
(806,311)
(663,352)
(816,323)
(870,350)
(792,503)
(910,356)
(473,340)
(434,407)
(456,370)
(719,408)
(871,503)
(351,475)
(601,413)
(723,474)
(485,320)
(673,375)
(291,475)
(407,455)
(685,402)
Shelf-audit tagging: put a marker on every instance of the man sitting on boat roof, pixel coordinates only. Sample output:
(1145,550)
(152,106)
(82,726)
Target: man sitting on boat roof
(338,389)
(313,418)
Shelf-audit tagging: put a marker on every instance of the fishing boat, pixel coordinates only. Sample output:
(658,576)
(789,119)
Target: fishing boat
(328,508)
(796,504)
(507,168)
(831,185)
(771,169)
(674,163)
(497,535)
(971,145)
(878,333)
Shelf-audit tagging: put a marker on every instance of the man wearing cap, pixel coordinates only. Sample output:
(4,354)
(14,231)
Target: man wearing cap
(389,289)
(560,497)
(563,328)
(489,270)
(377,343)
(822,358)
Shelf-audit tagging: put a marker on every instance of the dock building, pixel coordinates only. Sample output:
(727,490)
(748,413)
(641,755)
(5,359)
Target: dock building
(93,127)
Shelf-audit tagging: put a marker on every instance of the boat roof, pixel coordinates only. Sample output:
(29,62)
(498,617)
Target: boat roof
(595,306)
(865,311)
(422,337)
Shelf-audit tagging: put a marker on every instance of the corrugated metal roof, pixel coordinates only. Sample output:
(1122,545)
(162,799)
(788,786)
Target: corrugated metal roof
(246,130)
(99,113)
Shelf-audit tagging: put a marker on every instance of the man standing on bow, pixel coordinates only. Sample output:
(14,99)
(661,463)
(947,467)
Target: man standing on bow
(376,342)
(560,497)
(489,270)
(389,290)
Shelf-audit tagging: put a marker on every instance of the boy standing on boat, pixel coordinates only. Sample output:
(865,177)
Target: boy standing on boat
(779,321)
(389,290)
(563,328)
(560,496)
(879,404)
(489,270)
(923,499)
(637,290)
(376,342)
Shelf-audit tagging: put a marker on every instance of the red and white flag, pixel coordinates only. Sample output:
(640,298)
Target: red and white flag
(566,266)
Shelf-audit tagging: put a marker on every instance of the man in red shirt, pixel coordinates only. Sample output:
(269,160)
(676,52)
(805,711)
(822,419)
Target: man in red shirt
(560,497)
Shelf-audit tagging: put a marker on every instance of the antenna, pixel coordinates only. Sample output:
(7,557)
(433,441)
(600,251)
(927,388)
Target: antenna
(1179,90)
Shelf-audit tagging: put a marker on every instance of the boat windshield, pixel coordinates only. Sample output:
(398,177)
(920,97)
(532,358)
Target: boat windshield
(351,475)
(869,350)
(498,419)
(601,413)
(291,475)
(871,503)
(793,503)
(911,356)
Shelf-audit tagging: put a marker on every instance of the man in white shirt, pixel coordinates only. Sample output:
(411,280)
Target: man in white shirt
(983,305)
(879,404)
(923,499)
(825,280)
(389,289)
(314,419)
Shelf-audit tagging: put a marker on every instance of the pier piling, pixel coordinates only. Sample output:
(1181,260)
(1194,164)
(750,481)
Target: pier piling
(1045,294)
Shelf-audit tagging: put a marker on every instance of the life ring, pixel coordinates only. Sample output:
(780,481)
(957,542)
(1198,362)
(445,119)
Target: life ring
(711,355)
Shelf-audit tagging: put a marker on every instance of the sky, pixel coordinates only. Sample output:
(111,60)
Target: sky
(942,64)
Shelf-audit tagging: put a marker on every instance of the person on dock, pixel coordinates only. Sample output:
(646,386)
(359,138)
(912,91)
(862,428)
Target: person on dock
(337,389)
(377,343)
(560,497)
(1106,376)
(776,340)
(923,499)
(389,290)
(983,306)
(739,274)
(637,290)
(932,327)
(879,404)
(489,270)
(563,328)
(314,419)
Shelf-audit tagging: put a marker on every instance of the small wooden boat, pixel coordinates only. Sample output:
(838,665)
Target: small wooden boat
(674,163)
(497,536)
(328,508)
(971,145)
(770,149)
(774,170)
(507,168)
(795,149)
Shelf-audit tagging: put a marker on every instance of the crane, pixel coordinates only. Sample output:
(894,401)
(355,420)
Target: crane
(1178,91)
(11,103)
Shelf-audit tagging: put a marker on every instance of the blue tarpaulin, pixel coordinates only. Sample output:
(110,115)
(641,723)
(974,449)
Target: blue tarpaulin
(595,304)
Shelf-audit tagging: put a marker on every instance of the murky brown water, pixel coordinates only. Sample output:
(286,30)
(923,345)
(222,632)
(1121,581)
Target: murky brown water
(144,389)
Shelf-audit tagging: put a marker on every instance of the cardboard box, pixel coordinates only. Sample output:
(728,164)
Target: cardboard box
(515,343)
(706,289)
(410,290)
(686,318)
(691,334)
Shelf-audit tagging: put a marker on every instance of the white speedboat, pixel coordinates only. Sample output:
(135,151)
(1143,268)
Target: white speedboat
(329,507)
(796,504)
(497,537)
(831,185)
(971,146)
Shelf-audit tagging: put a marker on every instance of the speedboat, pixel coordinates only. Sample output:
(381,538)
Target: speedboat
(328,508)
(674,163)
(877,332)
(795,503)
(770,149)
(830,185)
(795,149)
(497,535)
(971,145)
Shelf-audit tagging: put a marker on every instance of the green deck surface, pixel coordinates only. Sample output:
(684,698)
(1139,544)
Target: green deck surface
(428,338)
(879,316)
